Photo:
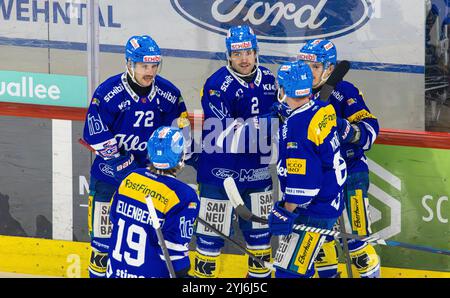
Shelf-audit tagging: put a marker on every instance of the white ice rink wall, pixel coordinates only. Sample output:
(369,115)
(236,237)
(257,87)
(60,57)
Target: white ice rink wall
(383,39)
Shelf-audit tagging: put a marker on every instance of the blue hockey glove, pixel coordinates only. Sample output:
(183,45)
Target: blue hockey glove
(122,165)
(282,111)
(280,220)
(346,131)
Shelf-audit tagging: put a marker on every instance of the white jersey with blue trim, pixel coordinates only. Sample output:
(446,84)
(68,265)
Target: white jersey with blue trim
(310,168)
(119,119)
(228,101)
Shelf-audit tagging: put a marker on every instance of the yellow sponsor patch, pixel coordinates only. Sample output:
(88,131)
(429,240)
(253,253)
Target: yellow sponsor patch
(358,217)
(321,124)
(137,187)
(206,266)
(263,254)
(358,116)
(296,166)
(306,251)
(183,120)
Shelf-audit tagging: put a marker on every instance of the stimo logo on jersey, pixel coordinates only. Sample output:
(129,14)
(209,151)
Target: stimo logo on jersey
(279,21)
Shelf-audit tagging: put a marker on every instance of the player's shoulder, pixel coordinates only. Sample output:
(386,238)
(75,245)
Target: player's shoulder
(168,91)
(345,87)
(321,121)
(165,84)
(266,72)
(109,88)
(217,78)
(182,190)
(141,174)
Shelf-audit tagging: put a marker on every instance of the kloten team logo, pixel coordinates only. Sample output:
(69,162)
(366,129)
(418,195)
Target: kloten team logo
(279,20)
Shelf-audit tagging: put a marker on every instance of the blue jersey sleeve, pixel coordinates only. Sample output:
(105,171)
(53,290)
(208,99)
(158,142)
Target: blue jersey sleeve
(356,112)
(218,116)
(179,226)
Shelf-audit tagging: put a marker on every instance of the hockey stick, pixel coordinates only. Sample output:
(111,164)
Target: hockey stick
(156,225)
(242,211)
(336,76)
(240,246)
(348,258)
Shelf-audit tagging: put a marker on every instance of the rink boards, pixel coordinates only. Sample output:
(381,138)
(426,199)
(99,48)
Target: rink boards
(45,187)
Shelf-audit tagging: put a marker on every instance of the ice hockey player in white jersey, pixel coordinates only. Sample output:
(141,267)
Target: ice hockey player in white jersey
(134,250)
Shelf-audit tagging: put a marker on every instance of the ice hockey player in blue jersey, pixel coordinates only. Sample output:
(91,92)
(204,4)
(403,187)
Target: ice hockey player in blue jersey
(123,113)
(311,172)
(234,95)
(134,250)
(358,129)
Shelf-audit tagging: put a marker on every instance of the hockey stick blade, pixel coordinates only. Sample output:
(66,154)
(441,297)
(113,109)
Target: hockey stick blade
(237,202)
(336,76)
(232,192)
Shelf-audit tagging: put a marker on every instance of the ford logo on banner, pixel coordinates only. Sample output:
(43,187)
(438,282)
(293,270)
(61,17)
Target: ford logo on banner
(279,20)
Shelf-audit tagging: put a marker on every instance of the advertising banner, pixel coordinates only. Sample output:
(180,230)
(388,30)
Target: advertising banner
(43,89)
(409,195)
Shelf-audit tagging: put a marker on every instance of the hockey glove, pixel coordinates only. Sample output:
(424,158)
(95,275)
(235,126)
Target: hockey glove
(282,111)
(348,133)
(280,220)
(122,165)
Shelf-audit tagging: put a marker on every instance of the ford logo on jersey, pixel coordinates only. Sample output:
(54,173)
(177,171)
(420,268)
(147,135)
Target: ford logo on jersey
(223,173)
(279,21)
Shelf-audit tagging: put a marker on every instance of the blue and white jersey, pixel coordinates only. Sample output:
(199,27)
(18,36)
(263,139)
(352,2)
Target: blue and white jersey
(228,101)
(310,167)
(349,103)
(134,250)
(119,119)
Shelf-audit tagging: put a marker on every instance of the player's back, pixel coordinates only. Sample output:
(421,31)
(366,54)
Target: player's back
(309,163)
(134,248)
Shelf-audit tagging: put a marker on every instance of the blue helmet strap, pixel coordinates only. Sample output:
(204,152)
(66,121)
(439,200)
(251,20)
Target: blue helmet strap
(323,79)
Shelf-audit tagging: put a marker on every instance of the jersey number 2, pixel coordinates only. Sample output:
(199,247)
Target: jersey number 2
(255,109)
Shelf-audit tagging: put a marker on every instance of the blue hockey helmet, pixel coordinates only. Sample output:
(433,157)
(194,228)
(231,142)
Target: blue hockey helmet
(240,38)
(165,147)
(319,50)
(142,49)
(295,78)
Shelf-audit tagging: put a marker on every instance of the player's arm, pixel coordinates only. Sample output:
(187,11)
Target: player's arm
(359,126)
(219,123)
(97,133)
(178,230)
(99,119)
(176,115)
